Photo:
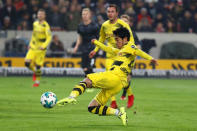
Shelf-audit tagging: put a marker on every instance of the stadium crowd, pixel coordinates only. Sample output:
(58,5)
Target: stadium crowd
(146,15)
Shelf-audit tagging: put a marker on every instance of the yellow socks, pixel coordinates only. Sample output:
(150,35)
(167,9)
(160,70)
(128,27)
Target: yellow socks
(103,110)
(78,89)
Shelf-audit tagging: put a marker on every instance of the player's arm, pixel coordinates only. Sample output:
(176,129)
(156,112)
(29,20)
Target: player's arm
(105,48)
(48,37)
(146,56)
(78,42)
(132,49)
(143,54)
(135,51)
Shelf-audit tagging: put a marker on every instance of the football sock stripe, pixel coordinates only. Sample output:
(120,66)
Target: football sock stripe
(104,110)
(77,89)
(83,85)
(97,109)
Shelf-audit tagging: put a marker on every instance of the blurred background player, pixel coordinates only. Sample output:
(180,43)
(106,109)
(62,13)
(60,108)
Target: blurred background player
(106,33)
(87,30)
(41,37)
(112,81)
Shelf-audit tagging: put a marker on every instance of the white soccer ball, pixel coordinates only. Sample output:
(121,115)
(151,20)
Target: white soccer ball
(48,99)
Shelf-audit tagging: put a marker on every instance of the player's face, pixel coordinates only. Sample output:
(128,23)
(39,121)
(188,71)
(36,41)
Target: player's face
(112,14)
(41,15)
(86,15)
(119,42)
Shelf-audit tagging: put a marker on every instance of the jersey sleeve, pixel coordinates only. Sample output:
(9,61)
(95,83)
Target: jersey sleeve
(135,51)
(105,48)
(48,36)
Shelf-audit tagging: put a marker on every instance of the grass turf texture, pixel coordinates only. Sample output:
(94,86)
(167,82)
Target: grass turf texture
(160,104)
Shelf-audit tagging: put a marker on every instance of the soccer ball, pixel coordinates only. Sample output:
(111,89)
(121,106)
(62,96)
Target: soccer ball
(48,99)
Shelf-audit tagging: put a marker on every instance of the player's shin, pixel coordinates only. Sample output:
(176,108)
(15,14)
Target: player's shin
(123,97)
(129,89)
(78,89)
(103,110)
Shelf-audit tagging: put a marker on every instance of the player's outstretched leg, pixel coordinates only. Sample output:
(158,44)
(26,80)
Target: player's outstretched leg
(77,90)
(103,110)
(113,102)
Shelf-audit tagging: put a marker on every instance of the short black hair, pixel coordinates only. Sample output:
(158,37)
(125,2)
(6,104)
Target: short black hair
(122,32)
(115,6)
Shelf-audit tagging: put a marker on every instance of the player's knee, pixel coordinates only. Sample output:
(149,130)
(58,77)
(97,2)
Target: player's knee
(88,82)
(90,108)
(27,64)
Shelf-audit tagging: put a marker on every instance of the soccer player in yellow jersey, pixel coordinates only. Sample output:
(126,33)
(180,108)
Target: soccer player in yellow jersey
(106,34)
(128,90)
(40,39)
(112,81)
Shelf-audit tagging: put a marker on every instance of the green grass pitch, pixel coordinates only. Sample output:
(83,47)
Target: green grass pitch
(160,104)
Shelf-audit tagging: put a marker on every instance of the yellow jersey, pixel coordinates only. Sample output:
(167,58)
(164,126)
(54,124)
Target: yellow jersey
(106,33)
(124,59)
(41,35)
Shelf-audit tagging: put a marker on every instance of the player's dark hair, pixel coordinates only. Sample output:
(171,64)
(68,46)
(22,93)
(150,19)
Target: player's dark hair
(122,32)
(115,6)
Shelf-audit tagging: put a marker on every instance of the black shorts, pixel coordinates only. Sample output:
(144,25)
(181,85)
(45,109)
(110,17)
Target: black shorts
(87,62)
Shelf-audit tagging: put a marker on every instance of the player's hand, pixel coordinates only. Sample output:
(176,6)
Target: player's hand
(154,61)
(92,54)
(92,41)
